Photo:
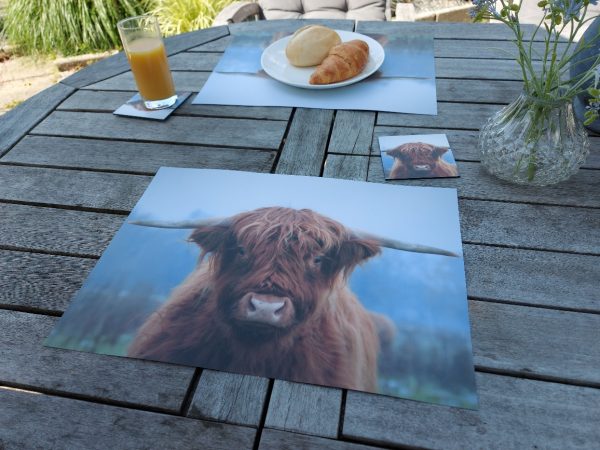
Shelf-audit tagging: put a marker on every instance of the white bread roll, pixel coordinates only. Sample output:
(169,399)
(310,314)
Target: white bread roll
(310,45)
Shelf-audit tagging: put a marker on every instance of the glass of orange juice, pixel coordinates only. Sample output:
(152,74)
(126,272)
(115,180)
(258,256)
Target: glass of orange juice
(148,60)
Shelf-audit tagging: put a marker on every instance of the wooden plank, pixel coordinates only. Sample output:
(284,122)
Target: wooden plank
(218,45)
(304,408)
(513,413)
(477,91)
(480,69)
(185,41)
(265,134)
(485,49)
(288,25)
(184,81)
(346,167)
(448,30)
(38,282)
(508,340)
(539,227)
(464,143)
(229,397)
(108,101)
(118,64)
(305,146)
(19,120)
(536,277)
(26,362)
(106,191)
(476,183)
(282,440)
(463,116)
(32,420)
(133,156)
(191,61)
(56,230)
(352,132)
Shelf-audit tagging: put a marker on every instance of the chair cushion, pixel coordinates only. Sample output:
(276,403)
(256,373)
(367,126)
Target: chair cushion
(324,9)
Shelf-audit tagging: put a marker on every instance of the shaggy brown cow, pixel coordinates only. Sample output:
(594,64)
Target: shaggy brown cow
(420,160)
(271,299)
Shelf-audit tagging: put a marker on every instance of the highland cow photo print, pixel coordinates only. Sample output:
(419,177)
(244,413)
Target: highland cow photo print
(330,282)
(417,156)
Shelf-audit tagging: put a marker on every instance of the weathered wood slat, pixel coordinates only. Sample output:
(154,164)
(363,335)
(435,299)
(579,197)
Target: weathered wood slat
(477,91)
(306,143)
(448,30)
(347,167)
(539,227)
(539,278)
(476,183)
(40,282)
(193,61)
(288,25)
(464,143)
(504,336)
(450,115)
(218,45)
(108,101)
(184,81)
(265,134)
(230,398)
(513,413)
(480,69)
(26,362)
(185,41)
(118,63)
(56,230)
(492,49)
(108,191)
(282,440)
(304,408)
(40,421)
(133,156)
(19,120)
(352,132)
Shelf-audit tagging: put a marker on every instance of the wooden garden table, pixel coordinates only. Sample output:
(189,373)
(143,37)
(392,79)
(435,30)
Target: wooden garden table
(70,172)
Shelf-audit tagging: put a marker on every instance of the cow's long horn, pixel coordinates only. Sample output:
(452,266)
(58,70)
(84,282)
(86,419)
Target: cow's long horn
(180,224)
(406,246)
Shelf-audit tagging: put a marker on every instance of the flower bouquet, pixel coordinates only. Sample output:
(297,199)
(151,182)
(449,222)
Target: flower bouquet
(537,139)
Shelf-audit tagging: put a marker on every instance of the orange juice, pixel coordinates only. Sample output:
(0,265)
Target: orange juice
(148,60)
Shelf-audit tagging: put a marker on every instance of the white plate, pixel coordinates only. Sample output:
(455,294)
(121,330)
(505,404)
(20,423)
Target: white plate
(276,64)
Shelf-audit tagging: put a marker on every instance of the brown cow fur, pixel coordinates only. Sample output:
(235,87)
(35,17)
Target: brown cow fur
(407,157)
(297,254)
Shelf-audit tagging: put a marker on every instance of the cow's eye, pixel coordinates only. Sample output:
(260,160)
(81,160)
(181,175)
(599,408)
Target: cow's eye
(241,251)
(318,259)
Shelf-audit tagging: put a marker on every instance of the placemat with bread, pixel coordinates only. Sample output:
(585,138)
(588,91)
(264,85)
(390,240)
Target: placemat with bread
(319,67)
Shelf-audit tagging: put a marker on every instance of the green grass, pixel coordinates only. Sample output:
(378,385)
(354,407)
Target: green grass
(181,16)
(71,27)
(66,27)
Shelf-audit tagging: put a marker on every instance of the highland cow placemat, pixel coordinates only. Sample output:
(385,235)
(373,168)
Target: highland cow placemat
(283,279)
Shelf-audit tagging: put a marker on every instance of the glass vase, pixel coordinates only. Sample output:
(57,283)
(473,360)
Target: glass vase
(533,141)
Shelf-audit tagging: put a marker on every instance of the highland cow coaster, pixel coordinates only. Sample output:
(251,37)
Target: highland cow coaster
(305,279)
(417,156)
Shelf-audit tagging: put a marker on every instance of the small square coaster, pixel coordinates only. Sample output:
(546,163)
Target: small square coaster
(135,108)
(417,156)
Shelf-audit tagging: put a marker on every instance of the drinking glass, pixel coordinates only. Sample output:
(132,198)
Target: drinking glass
(148,60)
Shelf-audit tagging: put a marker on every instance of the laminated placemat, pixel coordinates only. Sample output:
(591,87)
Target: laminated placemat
(405,83)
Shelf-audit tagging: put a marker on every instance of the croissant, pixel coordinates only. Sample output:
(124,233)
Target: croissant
(343,61)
